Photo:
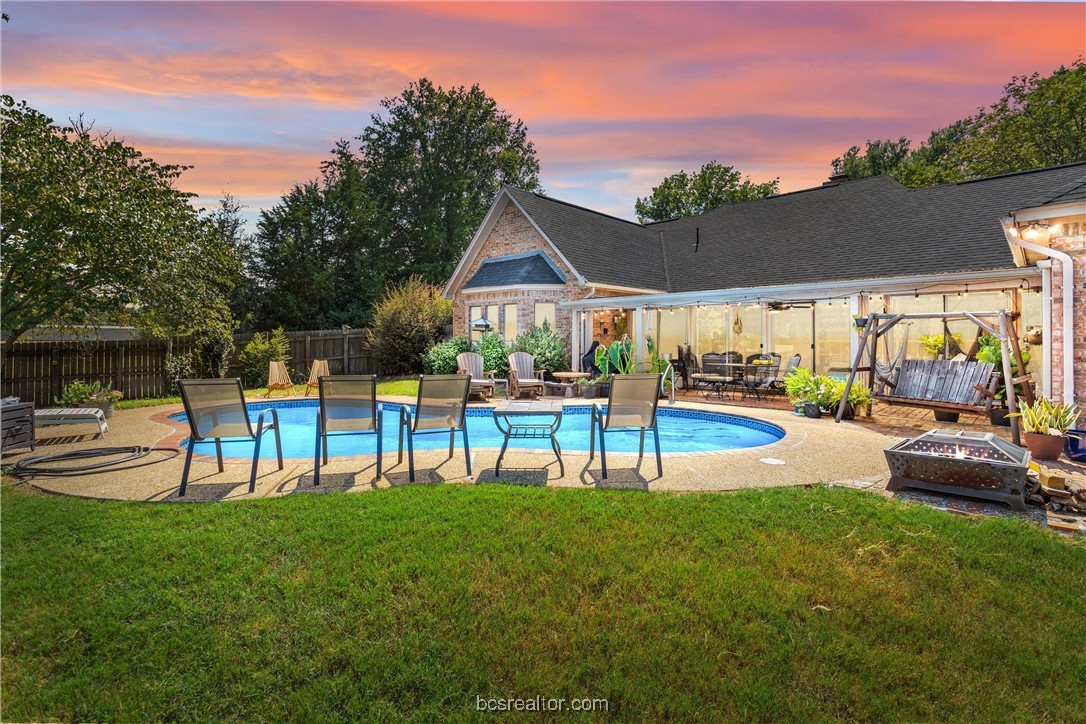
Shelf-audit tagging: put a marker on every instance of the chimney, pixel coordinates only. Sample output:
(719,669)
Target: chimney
(837,178)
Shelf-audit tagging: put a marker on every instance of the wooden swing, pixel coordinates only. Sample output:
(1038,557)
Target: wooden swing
(950,385)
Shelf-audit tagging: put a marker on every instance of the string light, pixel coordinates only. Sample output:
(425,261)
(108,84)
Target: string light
(966,290)
(916,294)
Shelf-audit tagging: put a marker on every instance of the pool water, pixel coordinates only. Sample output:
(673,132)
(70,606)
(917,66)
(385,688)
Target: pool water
(680,431)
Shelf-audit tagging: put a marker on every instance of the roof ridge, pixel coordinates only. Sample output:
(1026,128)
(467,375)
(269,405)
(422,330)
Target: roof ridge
(575,206)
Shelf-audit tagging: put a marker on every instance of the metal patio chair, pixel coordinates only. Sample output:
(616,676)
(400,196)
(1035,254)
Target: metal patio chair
(348,406)
(216,410)
(631,405)
(441,405)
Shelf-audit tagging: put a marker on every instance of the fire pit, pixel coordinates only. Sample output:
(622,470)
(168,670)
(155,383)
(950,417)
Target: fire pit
(980,465)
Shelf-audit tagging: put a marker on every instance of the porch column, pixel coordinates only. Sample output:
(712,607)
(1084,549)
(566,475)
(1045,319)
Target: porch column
(639,333)
(857,305)
(575,343)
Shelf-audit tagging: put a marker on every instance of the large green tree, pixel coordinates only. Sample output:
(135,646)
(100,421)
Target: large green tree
(434,162)
(683,194)
(93,232)
(1039,121)
(315,256)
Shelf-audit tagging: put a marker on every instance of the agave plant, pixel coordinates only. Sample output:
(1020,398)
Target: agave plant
(1044,417)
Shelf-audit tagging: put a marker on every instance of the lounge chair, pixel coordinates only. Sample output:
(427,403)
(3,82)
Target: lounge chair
(279,378)
(318,370)
(348,406)
(470,363)
(72,416)
(441,405)
(216,411)
(523,376)
(632,404)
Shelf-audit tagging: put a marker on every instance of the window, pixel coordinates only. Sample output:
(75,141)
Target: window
(544,312)
(672,331)
(510,328)
(489,313)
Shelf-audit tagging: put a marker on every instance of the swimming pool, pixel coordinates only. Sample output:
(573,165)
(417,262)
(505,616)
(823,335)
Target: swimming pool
(688,431)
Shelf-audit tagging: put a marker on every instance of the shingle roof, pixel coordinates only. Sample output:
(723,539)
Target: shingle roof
(602,248)
(516,270)
(866,229)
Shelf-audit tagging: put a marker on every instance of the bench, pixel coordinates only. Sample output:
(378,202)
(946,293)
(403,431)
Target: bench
(950,385)
(72,416)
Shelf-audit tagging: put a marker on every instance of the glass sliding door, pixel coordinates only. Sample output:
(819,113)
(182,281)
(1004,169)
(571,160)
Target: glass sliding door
(790,332)
(834,328)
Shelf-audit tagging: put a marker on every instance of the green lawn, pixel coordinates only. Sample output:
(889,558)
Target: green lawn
(390,386)
(787,604)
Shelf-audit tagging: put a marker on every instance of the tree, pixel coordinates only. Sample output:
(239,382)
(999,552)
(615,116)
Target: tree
(433,165)
(230,225)
(683,194)
(1038,122)
(315,256)
(94,232)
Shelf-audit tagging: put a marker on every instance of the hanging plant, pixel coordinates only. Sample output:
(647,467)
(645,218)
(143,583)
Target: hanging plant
(737,327)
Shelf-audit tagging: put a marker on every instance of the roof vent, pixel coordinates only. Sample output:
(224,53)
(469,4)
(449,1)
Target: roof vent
(837,178)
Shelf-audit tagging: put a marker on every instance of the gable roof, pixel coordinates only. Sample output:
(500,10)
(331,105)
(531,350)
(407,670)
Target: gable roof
(865,229)
(532,268)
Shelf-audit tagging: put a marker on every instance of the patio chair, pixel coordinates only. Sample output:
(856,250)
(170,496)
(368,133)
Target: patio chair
(713,374)
(631,405)
(216,411)
(777,383)
(523,376)
(318,370)
(279,378)
(470,363)
(757,376)
(441,405)
(348,406)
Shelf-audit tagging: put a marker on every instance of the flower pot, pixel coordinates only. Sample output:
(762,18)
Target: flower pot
(1075,447)
(1043,447)
(945,416)
(105,407)
(589,391)
(847,414)
(799,410)
(605,389)
(812,410)
(998,416)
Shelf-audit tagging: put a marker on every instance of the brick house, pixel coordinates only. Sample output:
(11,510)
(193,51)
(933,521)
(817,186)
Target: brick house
(787,274)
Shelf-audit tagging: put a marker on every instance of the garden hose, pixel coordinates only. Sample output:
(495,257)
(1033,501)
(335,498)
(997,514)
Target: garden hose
(45,465)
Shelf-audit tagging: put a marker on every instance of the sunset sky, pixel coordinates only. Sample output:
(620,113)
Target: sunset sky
(615,95)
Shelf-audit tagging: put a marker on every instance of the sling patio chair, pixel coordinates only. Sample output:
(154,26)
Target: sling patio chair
(318,370)
(470,363)
(216,411)
(631,405)
(523,376)
(279,378)
(348,406)
(441,405)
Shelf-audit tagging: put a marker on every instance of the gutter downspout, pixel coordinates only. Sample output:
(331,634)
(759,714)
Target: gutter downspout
(1068,293)
(1045,266)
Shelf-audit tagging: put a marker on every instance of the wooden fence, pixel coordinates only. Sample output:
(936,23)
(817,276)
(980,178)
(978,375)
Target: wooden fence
(38,371)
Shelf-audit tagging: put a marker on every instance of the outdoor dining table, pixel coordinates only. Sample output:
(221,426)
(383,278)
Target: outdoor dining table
(569,378)
(510,419)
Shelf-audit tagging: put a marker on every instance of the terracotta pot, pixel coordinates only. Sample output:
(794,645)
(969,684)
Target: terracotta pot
(1043,447)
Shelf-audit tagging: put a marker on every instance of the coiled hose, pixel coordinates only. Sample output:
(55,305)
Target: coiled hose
(47,466)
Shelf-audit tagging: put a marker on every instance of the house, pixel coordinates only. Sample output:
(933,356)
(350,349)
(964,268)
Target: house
(788,273)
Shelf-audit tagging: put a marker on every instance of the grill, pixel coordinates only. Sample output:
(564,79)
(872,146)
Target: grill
(980,465)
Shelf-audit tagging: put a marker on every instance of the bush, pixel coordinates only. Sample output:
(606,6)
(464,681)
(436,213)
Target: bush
(260,351)
(441,358)
(79,393)
(214,348)
(184,366)
(547,347)
(406,323)
(495,354)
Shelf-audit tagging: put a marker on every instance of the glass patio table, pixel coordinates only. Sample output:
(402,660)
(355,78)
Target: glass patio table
(529,419)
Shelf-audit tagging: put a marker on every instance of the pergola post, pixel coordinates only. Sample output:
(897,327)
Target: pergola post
(1008,378)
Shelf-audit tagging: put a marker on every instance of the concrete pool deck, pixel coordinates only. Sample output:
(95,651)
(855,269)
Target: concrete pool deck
(812,451)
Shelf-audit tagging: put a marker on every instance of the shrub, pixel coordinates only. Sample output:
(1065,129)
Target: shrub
(547,347)
(441,358)
(259,352)
(78,392)
(495,354)
(215,346)
(182,366)
(406,323)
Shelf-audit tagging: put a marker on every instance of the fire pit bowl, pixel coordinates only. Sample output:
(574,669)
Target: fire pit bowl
(980,465)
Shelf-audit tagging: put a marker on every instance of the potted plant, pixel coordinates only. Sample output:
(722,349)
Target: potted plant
(1074,445)
(603,383)
(1045,426)
(934,344)
(804,389)
(93,394)
(991,351)
(588,387)
(859,398)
